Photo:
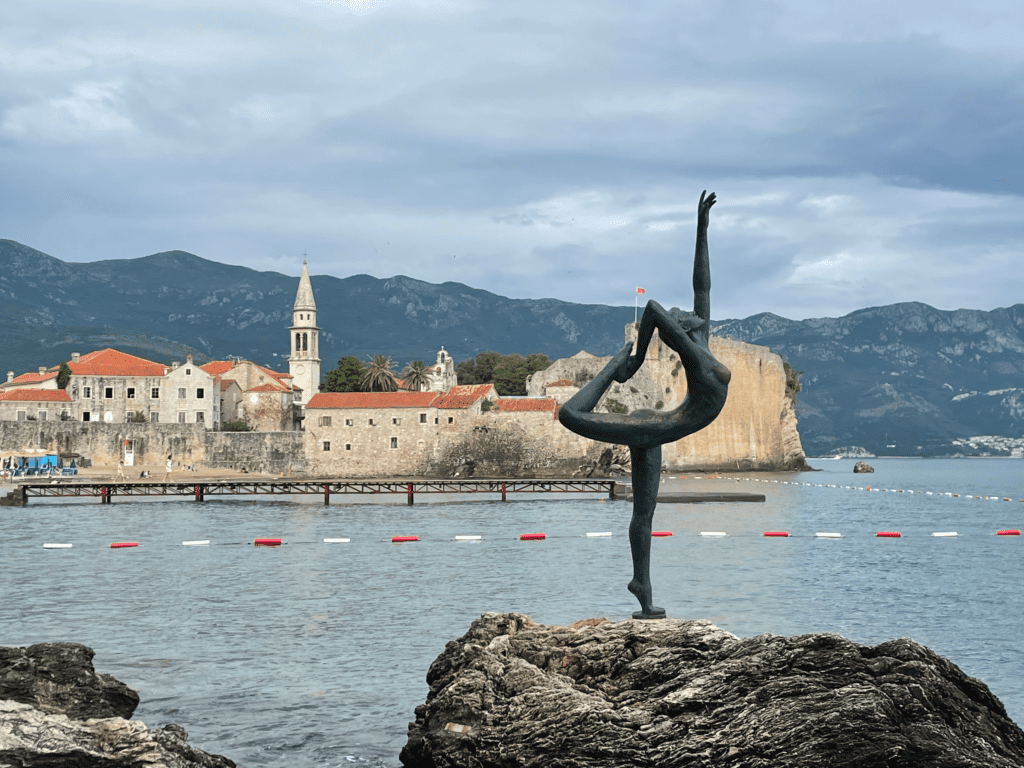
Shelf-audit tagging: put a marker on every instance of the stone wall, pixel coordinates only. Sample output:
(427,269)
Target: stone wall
(278,453)
(103,444)
(756,429)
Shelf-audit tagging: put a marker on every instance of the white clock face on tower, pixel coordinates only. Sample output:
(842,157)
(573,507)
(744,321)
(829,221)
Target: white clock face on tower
(300,369)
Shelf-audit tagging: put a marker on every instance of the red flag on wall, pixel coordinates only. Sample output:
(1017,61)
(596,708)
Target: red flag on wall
(640,290)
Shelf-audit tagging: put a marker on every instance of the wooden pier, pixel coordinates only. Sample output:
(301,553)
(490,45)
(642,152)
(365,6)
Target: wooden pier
(106,492)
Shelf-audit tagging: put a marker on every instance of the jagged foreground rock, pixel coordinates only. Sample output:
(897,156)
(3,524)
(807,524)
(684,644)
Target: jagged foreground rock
(55,710)
(686,693)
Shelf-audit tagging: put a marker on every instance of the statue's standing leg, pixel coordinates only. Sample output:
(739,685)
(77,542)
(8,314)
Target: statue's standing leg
(646,481)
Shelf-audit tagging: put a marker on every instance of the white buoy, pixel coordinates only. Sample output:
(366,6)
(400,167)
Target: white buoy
(337,541)
(714,534)
(944,534)
(202,543)
(57,546)
(598,534)
(826,535)
(468,538)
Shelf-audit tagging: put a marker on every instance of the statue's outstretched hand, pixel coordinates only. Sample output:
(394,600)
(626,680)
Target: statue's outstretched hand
(627,364)
(704,207)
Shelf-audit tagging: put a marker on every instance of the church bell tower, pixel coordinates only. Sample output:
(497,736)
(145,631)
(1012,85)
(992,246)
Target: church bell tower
(304,360)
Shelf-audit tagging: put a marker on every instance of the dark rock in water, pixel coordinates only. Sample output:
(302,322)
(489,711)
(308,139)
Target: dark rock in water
(55,710)
(686,693)
(59,678)
(860,466)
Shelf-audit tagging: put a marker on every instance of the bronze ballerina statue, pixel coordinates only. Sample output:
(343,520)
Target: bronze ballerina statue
(707,385)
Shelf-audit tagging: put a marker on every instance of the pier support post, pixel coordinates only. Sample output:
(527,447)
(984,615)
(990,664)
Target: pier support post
(408,489)
(200,492)
(103,494)
(503,492)
(327,494)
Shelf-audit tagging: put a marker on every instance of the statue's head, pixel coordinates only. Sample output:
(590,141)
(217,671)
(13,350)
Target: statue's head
(688,321)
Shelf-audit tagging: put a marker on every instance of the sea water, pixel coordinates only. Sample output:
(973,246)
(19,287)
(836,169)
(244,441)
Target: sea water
(314,654)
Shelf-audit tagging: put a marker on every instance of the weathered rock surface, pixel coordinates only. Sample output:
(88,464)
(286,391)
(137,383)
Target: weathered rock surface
(686,693)
(55,710)
(862,468)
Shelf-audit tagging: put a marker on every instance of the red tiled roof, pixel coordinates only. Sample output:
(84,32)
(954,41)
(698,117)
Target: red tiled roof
(526,404)
(217,367)
(35,378)
(562,383)
(275,374)
(372,400)
(36,395)
(455,401)
(270,386)
(480,390)
(110,362)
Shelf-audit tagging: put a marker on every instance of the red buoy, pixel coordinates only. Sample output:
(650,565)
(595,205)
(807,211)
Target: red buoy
(1008,532)
(783,534)
(888,535)
(661,533)
(122,544)
(267,542)
(529,536)
(397,539)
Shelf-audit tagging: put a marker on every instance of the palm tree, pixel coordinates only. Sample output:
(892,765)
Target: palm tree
(378,376)
(416,376)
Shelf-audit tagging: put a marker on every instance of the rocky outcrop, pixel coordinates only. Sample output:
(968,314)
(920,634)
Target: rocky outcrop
(862,468)
(686,693)
(55,710)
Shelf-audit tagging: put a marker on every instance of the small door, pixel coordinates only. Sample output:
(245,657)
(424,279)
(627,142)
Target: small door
(129,453)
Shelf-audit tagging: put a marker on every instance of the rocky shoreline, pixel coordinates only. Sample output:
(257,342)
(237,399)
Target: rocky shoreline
(55,710)
(685,693)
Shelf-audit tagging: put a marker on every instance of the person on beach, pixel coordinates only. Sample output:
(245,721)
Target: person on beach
(645,431)
(167,475)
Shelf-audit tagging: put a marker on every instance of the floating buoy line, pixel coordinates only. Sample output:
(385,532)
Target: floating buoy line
(873,489)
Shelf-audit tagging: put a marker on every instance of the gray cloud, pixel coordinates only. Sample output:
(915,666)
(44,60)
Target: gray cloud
(862,153)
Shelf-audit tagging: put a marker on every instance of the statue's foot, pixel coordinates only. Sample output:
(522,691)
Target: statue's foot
(654,612)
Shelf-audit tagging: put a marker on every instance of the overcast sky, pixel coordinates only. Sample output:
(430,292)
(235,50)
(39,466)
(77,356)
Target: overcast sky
(862,153)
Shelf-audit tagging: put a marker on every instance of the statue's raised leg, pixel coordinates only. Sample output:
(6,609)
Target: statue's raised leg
(646,481)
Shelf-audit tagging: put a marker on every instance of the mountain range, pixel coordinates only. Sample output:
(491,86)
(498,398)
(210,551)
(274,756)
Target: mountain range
(904,379)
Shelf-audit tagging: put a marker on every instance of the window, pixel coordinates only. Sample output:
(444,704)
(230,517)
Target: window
(437,420)
(348,422)
(86,416)
(396,422)
(154,417)
(200,393)
(394,442)
(86,391)
(327,445)
(41,415)
(131,393)
(129,416)
(108,393)
(200,417)
(181,417)
(21,416)
(155,393)
(325,421)
(423,418)
(451,419)
(181,393)
(188,371)
(348,446)
(370,422)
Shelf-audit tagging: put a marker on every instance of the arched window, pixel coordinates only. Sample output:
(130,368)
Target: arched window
(305,340)
(298,342)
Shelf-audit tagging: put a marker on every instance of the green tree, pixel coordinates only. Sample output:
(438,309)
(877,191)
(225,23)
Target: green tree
(344,378)
(379,375)
(416,376)
(63,376)
(479,370)
(511,372)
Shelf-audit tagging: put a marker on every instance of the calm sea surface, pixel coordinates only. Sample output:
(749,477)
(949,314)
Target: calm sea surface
(315,654)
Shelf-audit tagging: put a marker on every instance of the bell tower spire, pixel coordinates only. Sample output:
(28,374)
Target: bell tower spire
(304,360)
